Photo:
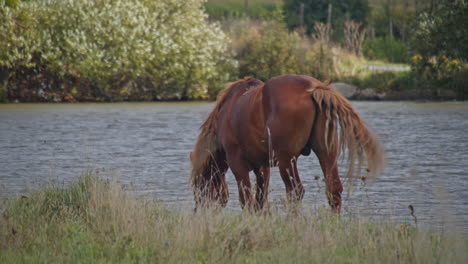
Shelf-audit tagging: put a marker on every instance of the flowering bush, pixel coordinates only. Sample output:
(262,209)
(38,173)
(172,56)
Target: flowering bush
(435,68)
(17,36)
(440,74)
(118,47)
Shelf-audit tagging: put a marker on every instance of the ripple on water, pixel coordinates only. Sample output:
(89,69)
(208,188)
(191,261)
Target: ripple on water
(146,145)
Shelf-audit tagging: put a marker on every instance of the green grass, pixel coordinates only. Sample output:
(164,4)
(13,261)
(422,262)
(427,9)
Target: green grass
(95,221)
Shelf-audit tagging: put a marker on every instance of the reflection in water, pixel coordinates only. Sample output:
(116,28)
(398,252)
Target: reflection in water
(147,144)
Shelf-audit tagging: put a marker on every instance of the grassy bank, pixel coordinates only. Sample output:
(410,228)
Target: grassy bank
(95,221)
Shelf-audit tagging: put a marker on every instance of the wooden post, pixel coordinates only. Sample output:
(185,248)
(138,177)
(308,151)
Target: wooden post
(329,17)
(246,8)
(390,26)
(405,16)
(389,13)
(301,16)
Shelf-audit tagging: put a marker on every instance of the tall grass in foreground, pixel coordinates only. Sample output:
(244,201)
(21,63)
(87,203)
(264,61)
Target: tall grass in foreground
(95,221)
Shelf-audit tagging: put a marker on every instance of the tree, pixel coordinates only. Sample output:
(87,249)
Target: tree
(317,10)
(442,29)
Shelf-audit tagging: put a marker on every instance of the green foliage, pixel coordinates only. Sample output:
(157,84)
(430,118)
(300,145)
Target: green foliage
(18,36)
(317,10)
(11,3)
(442,29)
(386,49)
(440,73)
(96,221)
(384,82)
(437,68)
(401,13)
(437,79)
(224,9)
(266,49)
(115,48)
(3,94)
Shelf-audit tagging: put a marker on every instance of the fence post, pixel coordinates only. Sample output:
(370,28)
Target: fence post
(246,8)
(301,16)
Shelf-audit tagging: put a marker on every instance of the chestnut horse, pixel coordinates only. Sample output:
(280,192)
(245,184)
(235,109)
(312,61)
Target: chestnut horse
(256,125)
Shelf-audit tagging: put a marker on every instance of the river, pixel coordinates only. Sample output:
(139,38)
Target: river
(146,147)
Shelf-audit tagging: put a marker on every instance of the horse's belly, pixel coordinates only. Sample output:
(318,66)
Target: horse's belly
(256,153)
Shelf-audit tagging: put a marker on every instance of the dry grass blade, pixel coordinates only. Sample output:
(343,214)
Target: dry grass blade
(95,221)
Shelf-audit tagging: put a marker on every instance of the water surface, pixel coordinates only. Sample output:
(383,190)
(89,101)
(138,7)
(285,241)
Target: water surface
(147,145)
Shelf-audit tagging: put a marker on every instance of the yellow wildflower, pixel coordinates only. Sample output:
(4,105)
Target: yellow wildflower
(416,59)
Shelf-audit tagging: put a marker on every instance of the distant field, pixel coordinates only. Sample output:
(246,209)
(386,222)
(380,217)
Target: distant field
(236,8)
(243,1)
(377,3)
(239,5)
(395,3)
(218,9)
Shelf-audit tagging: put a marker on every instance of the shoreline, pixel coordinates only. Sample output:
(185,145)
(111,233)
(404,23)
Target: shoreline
(419,100)
(349,91)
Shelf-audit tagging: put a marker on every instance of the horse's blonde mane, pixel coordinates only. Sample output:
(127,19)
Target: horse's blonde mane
(207,145)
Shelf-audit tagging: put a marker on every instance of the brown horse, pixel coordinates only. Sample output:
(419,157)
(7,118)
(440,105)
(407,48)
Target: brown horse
(255,126)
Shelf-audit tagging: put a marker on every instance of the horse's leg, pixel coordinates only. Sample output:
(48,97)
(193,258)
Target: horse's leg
(263,180)
(283,150)
(241,172)
(288,127)
(328,160)
(332,181)
(290,175)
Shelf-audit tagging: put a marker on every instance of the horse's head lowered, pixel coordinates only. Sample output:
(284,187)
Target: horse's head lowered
(208,161)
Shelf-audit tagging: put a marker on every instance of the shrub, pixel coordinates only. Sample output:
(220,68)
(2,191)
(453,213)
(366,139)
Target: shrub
(386,49)
(441,29)
(266,49)
(440,73)
(384,81)
(115,48)
(18,36)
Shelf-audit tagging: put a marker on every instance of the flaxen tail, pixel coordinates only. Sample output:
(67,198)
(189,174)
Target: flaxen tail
(356,140)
